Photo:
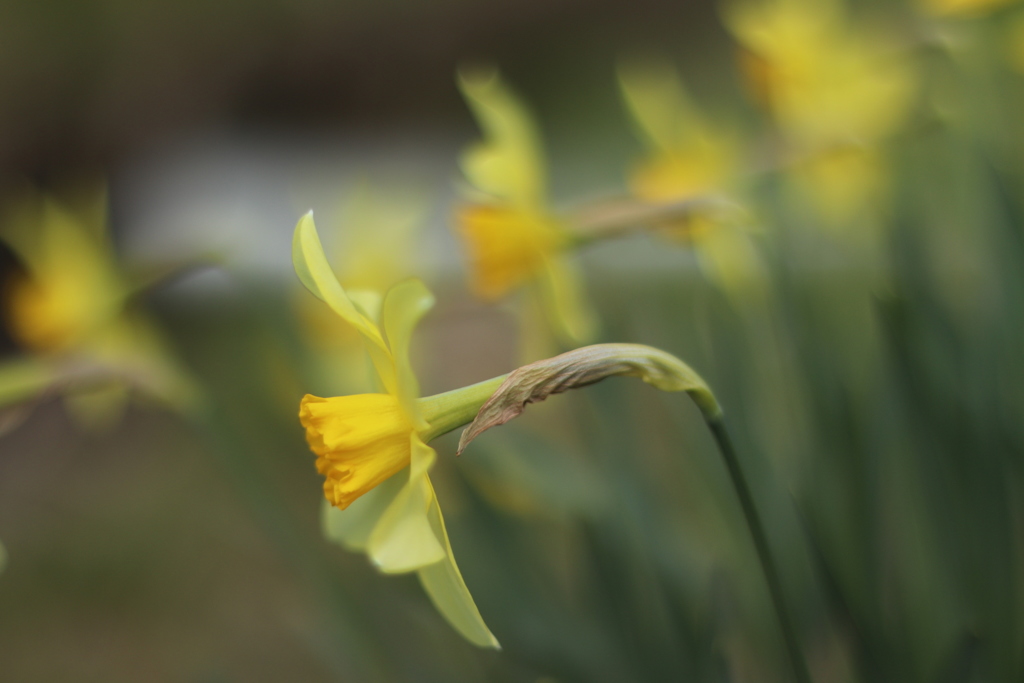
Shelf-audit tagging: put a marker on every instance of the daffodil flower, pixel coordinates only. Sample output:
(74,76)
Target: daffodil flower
(835,92)
(70,311)
(372,448)
(512,235)
(688,158)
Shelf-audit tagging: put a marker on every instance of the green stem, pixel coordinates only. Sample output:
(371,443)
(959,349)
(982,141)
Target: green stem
(452,409)
(615,218)
(764,554)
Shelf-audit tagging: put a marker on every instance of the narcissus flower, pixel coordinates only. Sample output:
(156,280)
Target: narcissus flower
(372,448)
(689,157)
(71,311)
(835,92)
(512,236)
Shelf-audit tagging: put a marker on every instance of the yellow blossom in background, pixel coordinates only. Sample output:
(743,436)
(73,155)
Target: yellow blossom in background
(72,288)
(511,235)
(371,448)
(72,311)
(688,158)
(835,91)
(688,155)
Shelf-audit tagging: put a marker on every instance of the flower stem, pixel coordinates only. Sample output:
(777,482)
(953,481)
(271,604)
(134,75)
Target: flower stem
(771,574)
(616,217)
(452,409)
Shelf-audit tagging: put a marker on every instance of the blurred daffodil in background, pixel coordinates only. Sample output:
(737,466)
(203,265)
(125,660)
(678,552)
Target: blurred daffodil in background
(691,158)
(835,91)
(371,448)
(74,312)
(512,236)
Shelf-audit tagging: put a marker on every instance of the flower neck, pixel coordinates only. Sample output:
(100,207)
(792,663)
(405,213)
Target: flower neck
(452,409)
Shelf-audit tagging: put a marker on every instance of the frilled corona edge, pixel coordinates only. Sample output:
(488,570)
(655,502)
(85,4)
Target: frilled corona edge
(360,441)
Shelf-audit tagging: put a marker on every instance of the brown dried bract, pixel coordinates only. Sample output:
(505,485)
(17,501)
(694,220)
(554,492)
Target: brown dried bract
(582,367)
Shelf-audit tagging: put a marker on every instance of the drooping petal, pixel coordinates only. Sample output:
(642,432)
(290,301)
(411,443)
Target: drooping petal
(351,527)
(404,539)
(315,273)
(508,163)
(565,302)
(444,584)
(728,255)
(404,305)
(657,102)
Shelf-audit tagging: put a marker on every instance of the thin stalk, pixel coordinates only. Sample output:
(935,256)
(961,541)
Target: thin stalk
(764,553)
(616,217)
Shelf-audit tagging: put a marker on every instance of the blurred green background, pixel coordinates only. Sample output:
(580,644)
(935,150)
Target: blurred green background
(873,380)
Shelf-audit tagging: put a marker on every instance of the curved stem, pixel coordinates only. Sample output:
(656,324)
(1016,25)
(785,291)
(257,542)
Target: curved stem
(613,218)
(764,554)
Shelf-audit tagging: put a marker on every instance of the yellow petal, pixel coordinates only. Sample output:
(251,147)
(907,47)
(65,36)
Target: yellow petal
(351,527)
(404,305)
(444,584)
(508,163)
(73,286)
(727,254)
(367,301)
(506,246)
(565,302)
(315,273)
(404,540)
(657,101)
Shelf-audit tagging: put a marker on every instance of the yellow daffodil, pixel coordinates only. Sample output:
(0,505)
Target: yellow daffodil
(70,311)
(835,93)
(688,155)
(371,448)
(688,158)
(512,236)
(72,288)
